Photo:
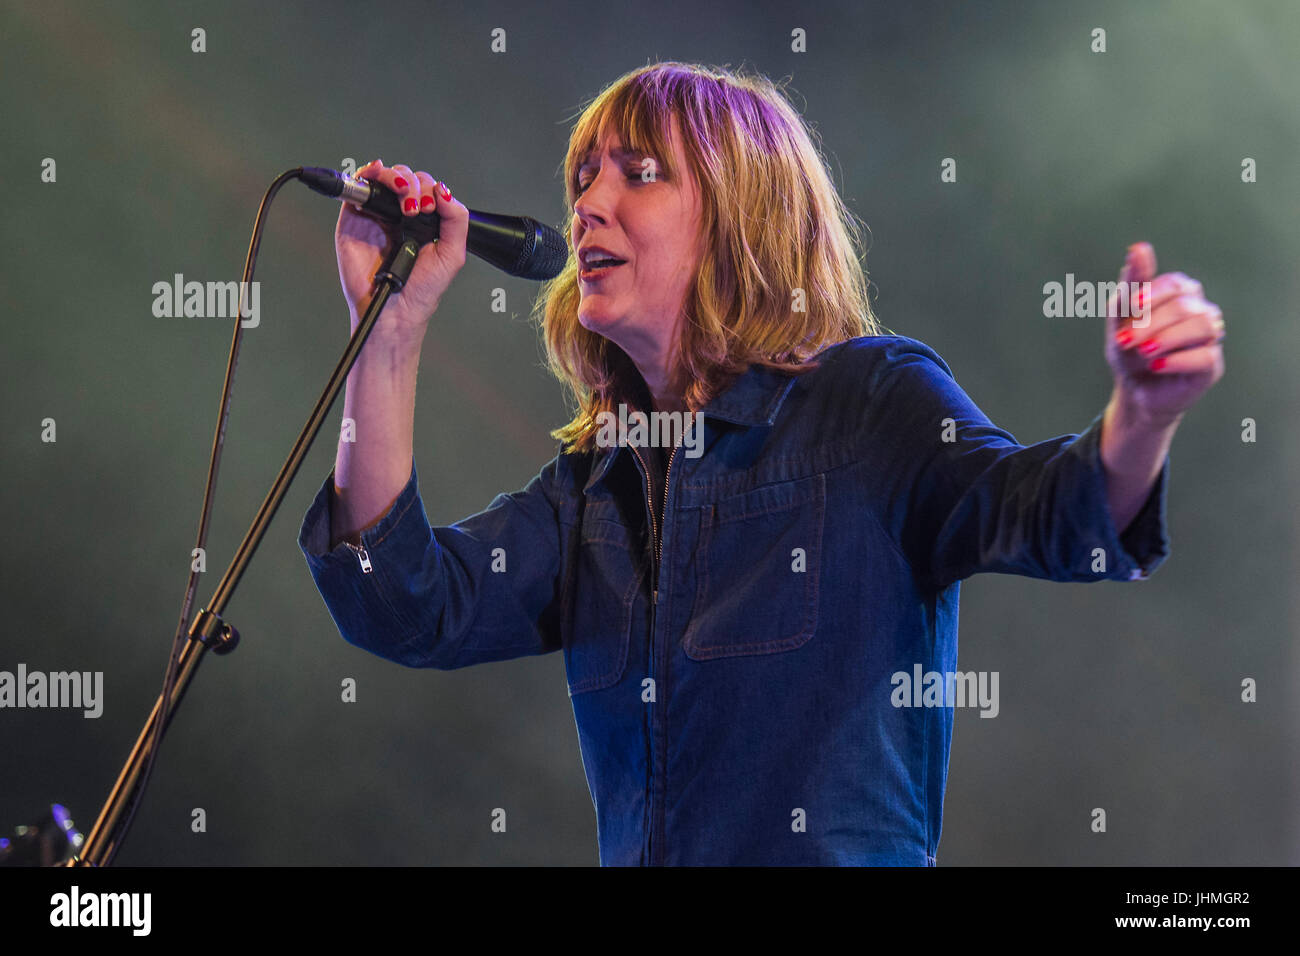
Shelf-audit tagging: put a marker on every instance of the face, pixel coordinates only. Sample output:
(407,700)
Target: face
(652,224)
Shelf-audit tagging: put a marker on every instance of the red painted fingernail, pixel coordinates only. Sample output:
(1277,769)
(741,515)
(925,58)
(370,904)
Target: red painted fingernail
(1158,364)
(1124,338)
(410,205)
(426,203)
(1146,348)
(444,191)
(399,182)
(1140,297)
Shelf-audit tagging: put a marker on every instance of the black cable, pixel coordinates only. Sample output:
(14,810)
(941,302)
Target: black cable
(214,463)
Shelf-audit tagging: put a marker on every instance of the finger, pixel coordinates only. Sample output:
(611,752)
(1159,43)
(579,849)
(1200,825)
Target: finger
(407,187)
(390,177)
(1199,323)
(427,186)
(453,222)
(1142,260)
(375,172)
(1202,359)
(1149,311)
(1138,269)
(1164,290)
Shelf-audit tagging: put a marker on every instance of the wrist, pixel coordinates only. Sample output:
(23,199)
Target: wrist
(1134,445)
(394,338)
(1123,408)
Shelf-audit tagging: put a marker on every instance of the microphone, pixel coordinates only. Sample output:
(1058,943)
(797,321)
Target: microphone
(518,245)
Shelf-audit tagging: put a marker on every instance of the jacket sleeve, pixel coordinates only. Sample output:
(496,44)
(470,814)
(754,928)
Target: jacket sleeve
(963,496)
(486,588)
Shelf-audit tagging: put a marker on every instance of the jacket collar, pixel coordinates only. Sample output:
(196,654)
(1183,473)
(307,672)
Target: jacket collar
(753,398)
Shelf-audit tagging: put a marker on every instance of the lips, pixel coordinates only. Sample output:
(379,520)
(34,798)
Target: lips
(598,266)
(595,261)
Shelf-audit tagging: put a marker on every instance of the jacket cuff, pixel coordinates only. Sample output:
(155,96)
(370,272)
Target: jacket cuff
(1144,544)
(362,585)
(315,534)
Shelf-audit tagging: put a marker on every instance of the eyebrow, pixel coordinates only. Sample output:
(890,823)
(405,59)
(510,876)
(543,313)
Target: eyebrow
(618,153)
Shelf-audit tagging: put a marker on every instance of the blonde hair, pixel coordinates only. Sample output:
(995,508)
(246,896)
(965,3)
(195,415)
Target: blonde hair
(780,278)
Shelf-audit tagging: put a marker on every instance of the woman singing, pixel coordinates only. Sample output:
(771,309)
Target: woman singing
(742,608)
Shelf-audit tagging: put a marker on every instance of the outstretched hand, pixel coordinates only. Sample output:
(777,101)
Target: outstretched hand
(1167,351)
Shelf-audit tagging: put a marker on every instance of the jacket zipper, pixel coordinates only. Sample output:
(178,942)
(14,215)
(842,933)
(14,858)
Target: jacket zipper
(362,556)
(654,527)
(657,548)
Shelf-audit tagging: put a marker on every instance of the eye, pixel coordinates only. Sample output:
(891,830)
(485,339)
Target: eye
(633,176)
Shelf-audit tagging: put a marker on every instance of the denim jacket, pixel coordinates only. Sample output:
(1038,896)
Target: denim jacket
(748,712)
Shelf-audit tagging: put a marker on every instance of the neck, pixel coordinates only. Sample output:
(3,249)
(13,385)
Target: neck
(664,392)
(663,385)
(654,358)
(669,403)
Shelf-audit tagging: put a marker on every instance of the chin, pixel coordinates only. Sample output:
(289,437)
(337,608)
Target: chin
(596,320)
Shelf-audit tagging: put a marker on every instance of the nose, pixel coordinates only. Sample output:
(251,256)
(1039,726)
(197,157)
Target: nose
(593,205)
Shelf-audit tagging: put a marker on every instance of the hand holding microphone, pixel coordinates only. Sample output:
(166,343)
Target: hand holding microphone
(362,242)
(416,202)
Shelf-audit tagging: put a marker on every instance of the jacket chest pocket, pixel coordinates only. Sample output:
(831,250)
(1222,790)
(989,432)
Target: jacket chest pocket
(758,567)
(606,584)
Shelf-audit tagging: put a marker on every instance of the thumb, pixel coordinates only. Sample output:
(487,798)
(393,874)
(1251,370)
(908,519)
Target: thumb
(1139,266)
(1139,263)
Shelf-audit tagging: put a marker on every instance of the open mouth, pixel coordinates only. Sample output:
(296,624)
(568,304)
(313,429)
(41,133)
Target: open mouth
(598,268)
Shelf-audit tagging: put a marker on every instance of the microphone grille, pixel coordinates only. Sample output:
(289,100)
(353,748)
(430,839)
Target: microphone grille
(545,253)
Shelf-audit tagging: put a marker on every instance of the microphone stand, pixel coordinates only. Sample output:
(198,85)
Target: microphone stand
(209,631)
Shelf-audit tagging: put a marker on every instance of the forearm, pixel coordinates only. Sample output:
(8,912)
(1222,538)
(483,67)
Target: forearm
(371,470)
(1133,450)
